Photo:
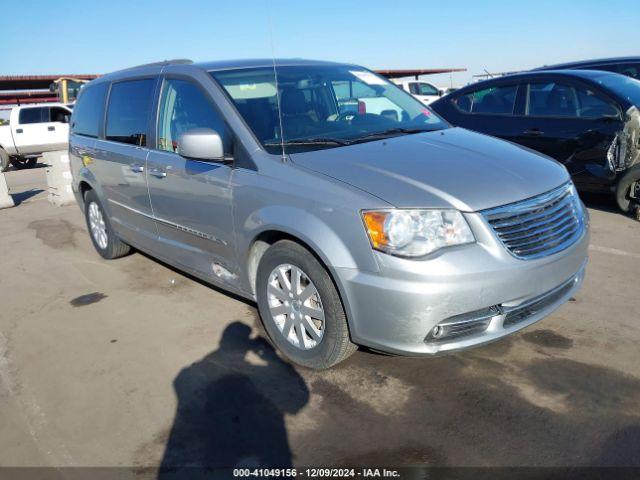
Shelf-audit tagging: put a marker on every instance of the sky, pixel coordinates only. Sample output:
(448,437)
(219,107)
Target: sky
(74,37)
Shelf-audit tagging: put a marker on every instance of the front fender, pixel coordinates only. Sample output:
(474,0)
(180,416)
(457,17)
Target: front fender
(314,231)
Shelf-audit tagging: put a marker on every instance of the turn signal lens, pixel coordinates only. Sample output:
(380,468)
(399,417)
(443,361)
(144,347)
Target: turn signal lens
(374,221)
(414,233)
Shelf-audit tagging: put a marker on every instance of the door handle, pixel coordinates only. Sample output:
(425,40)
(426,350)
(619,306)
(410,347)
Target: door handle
(18,130)
(533,132)
(137,168)
(51,129)
(157,173)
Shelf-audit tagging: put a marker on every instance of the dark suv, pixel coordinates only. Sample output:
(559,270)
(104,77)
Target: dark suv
(629,66)
(587,120)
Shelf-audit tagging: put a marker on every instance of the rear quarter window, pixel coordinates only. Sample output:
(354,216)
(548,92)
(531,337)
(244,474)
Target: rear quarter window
(488,101)
(128,111)
(89,110)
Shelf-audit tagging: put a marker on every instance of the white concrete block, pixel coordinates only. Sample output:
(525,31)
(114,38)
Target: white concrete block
(5,199)
(59,178)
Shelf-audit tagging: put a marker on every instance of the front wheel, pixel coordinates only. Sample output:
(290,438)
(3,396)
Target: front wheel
(628,189)
(104,239)
(300,307)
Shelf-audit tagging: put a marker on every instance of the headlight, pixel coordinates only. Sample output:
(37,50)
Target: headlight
(413,233)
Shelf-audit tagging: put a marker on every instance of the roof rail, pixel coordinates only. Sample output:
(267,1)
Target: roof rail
(163,63)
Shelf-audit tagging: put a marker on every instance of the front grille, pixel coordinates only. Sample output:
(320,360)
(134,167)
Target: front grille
(541,225)
(514,315)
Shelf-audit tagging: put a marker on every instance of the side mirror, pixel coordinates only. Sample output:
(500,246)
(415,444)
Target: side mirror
(201,144)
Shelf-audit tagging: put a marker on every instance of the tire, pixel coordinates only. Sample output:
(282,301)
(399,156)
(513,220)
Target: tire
(623,188)
(108,246)
(22,163)
(334,344)
(5,161)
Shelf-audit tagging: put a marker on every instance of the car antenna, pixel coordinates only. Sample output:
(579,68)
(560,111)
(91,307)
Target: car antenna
(275,76)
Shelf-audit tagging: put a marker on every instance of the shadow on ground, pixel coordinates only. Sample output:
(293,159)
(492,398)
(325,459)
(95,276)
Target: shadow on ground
(522,401)
(477,408)
(230,411)
(604,202)
(18,198)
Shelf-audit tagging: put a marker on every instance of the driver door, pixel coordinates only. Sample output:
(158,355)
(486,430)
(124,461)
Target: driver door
(191,199)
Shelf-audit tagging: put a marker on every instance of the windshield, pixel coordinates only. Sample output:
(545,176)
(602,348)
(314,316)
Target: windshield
(323,106)
(626,87)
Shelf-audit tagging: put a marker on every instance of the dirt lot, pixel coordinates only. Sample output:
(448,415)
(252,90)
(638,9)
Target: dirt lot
(129,362)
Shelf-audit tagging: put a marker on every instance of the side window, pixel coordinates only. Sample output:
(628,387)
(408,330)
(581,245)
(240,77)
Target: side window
(630,70)
(593,105)
(33,115)
(360,90)
(183,107)
(128,111)
(427,89)
(551,99)
(493,101)
(611,67)
(89,110)
(57,114)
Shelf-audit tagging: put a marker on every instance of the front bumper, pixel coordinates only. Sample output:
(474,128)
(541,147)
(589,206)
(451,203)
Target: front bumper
(394,310)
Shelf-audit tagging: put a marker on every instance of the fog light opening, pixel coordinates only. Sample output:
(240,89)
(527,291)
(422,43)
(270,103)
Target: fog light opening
(437,332)
(471,323)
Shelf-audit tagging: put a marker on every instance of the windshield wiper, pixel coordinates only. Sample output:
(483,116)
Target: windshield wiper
(310,141)
(392,132)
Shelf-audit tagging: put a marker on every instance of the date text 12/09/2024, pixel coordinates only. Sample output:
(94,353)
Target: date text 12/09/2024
(316,472)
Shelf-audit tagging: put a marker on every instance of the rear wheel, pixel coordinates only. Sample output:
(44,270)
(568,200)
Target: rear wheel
(103,237)
(628,190)
(300,307)
(5,161)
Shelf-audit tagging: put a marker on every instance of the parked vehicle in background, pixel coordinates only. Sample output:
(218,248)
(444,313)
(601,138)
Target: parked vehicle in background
(448,90)
(347,228)
(629,66)
(31,131)
(423,91)
(587,120)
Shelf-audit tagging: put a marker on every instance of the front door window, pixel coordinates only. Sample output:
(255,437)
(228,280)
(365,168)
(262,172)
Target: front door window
(184,107)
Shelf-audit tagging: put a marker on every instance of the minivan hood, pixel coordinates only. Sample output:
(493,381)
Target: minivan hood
(442,169)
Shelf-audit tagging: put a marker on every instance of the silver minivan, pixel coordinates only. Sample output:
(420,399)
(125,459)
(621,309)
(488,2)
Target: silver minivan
(350,212)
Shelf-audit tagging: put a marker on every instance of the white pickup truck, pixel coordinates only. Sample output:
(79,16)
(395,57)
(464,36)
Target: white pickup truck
(423,91)
(32,130)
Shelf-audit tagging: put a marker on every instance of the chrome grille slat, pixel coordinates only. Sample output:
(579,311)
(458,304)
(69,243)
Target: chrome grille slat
(545,244)
(541,225)
(529,226)
(519,219)
(545,227)
(538,236)
(526,221)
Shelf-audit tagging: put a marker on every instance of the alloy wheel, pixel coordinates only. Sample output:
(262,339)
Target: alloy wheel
(295,306)
(98,227)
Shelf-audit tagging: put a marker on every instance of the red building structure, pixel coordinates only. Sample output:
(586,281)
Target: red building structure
(21,89)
